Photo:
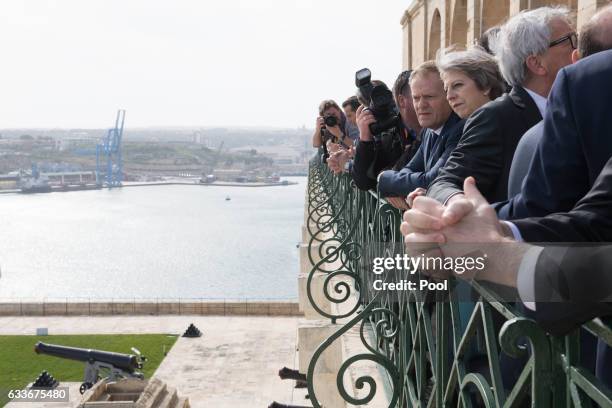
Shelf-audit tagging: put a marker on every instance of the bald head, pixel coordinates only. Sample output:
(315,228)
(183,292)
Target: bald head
(596,35)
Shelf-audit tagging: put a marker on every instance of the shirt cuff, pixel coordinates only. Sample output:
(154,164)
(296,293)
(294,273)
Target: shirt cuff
(525,280)
(516,233)
(451,196)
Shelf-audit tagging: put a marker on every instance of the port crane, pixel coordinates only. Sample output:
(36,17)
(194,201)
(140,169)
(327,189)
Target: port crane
(109,163)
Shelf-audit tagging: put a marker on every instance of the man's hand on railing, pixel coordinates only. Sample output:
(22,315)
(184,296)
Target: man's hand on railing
(405,203)
(338,160)
(333,147)
(419,191)
(421,230)
(468,219)
(398,202)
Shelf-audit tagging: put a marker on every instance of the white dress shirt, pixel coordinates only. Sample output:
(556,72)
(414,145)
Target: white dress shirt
(540,101)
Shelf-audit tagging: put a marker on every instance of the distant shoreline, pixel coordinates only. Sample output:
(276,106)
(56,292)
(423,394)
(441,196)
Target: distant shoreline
(213,184)
(172,183)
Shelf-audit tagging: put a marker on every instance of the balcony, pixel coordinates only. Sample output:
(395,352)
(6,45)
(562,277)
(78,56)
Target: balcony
(429,349)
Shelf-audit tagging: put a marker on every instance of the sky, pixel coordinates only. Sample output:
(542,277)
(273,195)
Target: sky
(242,63)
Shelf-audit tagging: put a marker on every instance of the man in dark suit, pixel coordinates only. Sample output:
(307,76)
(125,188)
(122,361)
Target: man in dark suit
(442,130)
(423,168)
(531,48)
(590,220)
(565,280)
(562,157)
(569,285)
(563,286)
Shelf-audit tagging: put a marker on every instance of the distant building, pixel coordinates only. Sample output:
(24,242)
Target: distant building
(228,174)
(199,138)
(8,181)
(284,160)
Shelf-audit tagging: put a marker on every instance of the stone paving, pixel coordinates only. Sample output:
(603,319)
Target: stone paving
(234,364)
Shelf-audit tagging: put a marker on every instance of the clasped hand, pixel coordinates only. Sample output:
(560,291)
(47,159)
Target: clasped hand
(467,218)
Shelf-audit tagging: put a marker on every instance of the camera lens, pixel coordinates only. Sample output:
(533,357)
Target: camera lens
(331,120)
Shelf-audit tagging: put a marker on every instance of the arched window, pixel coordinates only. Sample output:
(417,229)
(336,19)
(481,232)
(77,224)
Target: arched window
(435,31)
(458,23)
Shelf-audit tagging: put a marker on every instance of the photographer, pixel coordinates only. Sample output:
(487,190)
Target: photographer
(395,138)
(350,107)
(330,127)
(340,161)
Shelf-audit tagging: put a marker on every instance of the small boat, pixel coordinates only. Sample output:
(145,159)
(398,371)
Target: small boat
(227,198)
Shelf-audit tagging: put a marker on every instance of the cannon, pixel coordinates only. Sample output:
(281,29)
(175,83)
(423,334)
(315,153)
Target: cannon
(115,365)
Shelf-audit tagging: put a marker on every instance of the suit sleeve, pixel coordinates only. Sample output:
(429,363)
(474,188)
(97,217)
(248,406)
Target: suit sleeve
(556,178)
(395,183)
(566,299)
(589,221)
(414,175)
(477,154)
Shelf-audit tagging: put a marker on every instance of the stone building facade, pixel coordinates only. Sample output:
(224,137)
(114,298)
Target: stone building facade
(429,25)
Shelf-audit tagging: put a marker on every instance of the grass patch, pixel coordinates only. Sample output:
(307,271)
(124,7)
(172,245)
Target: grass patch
(20,365)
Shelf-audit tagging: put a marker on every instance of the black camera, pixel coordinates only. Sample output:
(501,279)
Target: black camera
(380,101)
(330,120)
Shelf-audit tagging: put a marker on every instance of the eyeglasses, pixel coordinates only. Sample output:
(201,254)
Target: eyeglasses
(572,37)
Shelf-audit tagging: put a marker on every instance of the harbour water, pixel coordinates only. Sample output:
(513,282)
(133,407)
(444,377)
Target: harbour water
(152,242)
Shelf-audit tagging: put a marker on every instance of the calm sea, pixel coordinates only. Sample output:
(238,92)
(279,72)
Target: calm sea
(152,242)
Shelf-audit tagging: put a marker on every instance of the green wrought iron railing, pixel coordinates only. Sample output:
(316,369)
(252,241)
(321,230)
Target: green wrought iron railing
(433,351)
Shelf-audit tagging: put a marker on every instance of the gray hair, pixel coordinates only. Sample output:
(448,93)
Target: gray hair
(527,33)
(477,65)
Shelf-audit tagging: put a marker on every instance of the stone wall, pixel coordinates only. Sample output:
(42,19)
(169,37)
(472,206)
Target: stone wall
(428,25)
(153,307)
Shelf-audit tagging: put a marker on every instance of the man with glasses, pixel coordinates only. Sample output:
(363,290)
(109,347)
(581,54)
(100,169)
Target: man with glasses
(571,37)
(556,162)
(571,151)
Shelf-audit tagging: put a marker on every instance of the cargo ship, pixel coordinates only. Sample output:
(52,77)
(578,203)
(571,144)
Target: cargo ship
(31,185)
(42,184)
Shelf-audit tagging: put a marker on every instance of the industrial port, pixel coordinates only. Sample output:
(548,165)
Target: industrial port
(43,161)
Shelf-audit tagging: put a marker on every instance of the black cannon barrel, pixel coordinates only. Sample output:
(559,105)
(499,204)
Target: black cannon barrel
(126,362)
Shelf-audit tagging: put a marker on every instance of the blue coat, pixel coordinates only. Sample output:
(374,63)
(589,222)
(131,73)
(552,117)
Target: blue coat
(424,166)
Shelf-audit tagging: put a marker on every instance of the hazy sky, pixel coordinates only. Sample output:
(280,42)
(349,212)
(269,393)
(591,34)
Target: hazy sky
(73,63)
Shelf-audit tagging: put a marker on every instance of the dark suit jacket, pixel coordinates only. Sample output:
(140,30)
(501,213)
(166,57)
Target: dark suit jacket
(424,166)
(519,169)
(487,146)
(589,221)
(575,144)
(572,286)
